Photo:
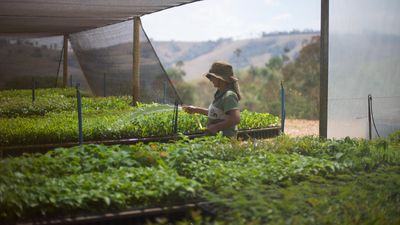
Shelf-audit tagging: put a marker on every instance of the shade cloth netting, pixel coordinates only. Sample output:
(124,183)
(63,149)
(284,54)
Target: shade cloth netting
(100,60)
(58,17)
(105,56)
(364,56)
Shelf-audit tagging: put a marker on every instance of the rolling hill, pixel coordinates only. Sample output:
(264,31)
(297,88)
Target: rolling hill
(42,60)
(198,56)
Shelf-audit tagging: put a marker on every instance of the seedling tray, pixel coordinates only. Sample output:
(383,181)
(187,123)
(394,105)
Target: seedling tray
(126,217)
(12,151)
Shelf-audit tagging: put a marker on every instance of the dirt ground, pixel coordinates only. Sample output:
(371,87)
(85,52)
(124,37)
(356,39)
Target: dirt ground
(297,127)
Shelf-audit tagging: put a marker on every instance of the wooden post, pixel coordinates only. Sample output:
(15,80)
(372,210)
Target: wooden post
(323,104)
(65,62)
(136,62)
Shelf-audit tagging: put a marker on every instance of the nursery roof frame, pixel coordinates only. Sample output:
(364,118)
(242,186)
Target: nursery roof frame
(42,18)
(58,17)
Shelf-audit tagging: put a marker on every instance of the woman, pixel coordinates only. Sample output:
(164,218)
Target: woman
(223,113)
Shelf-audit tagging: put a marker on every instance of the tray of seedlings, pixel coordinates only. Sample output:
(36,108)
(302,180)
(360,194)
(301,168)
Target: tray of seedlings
(52,121)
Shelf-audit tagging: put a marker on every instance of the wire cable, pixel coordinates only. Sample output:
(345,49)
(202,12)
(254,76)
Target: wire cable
(59,65)
(372,115)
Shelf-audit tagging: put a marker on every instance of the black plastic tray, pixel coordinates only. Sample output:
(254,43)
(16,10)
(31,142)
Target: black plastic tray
(12,151)
(126,217)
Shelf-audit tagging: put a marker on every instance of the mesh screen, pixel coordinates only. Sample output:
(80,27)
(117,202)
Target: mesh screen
(364,56)
(75,74)
(105,56)
(23,61)
(39,60)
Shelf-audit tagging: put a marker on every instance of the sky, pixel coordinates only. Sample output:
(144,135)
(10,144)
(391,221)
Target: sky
(237,19)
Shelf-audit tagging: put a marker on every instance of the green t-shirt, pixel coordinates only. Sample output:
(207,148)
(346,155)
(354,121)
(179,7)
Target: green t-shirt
(224,102)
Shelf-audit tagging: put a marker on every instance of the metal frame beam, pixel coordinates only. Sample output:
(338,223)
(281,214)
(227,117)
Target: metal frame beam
(65,61)
(323,106)
(136,61)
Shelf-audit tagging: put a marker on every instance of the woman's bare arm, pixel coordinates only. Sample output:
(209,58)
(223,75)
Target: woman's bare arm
(194,109)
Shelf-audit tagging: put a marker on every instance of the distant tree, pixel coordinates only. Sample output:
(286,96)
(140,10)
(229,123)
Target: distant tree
(203,93)
(253,71)
(264,34)
(275,63)
(302,76)
(304,42)
(180,64)
(260,86)
(177,73)
(303,73)
(185,90)
(238,53)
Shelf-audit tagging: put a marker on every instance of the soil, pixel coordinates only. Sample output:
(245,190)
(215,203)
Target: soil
(298,127)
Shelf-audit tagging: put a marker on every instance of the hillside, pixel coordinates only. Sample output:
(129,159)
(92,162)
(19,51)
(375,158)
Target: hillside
(25,59)
(198,56)
(21,58)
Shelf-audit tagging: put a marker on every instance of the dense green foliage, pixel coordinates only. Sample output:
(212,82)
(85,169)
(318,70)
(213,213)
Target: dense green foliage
(52,118)
(301,80)
(89,178)
(18,103)
(261,87)
(284,180)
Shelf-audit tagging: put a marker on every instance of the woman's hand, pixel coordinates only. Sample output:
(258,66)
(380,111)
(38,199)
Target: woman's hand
(193,109)
(212,129)
(189,109)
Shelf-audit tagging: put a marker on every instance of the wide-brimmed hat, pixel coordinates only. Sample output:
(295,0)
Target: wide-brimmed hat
(223,71)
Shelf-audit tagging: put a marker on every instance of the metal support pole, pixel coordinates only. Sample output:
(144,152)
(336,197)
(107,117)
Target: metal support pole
(323,89)
(104,85)
(283,113)
(175,118)
(136,62)
(369,117)
(79,100)
(65,63)
(33,90)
